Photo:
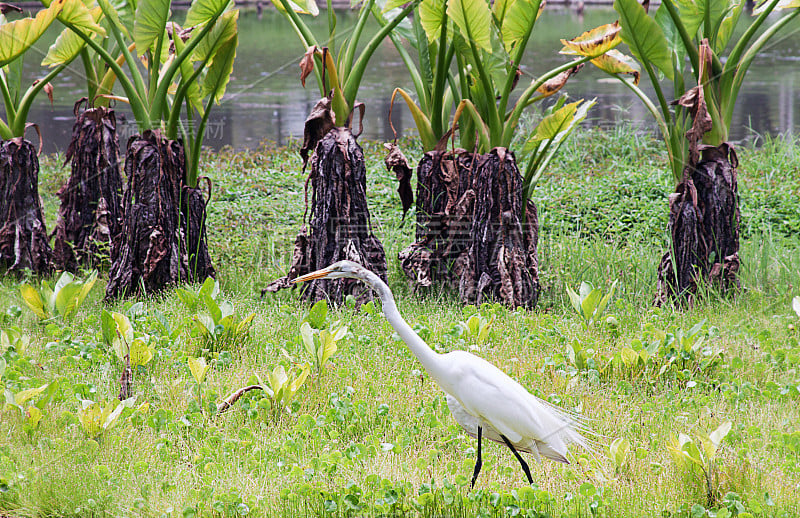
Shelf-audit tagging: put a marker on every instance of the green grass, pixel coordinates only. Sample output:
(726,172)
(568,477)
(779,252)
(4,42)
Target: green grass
(370,435)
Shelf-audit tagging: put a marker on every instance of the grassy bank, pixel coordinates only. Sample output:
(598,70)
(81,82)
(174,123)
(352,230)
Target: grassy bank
(368,433)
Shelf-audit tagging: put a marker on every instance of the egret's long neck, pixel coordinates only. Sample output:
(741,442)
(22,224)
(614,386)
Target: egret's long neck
(429,359)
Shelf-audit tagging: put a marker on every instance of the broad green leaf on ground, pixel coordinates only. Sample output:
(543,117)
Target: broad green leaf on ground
(518,22)
(32,299)
(643,36)
(474,20)
(199,368)
(150,22)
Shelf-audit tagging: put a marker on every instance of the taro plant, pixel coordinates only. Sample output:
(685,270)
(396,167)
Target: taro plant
(589,302)
(30,415)
(282,387)
(338,75)
(694,47)
(199,369)
(23,234)
(218,327)
(132,348)
(697,459)
(96,418)
(177,61)
(62,300)
(490,43)
(321,344)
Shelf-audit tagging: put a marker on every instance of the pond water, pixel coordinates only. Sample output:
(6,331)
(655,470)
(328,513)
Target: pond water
(265,100)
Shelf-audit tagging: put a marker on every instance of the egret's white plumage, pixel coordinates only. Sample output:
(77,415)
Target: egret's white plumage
(483,399)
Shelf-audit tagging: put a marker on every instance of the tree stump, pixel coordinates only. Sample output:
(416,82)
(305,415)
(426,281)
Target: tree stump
(23,237)
(704,226)
(445,197)
(90,216)
(501,262)
(151,253)
(193,223)
(340,225)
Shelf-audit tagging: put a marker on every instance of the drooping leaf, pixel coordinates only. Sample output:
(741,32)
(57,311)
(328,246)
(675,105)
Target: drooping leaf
(22,397)
(474,20)
(150,23)
(224,30)
(421,120)
(521,16)
(68,44)
(307,64)
(554,84)
(16,37)
(219,73)
(615,62)
(597,41)
(553,124)
(643,36)
(397,163)
(32,299)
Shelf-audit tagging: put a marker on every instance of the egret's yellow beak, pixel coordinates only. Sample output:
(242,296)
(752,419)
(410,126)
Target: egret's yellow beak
(313,275)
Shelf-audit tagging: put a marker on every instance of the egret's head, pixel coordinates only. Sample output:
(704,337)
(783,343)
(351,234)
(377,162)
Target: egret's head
(338,270)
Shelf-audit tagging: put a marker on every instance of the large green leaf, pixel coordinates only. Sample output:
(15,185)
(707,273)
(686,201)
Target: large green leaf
(203,11)
(431,15)
(150,23)
(223,31)
(76,13)
(16,37)
(219,73)
(643,36)
(474,20)
(518,22)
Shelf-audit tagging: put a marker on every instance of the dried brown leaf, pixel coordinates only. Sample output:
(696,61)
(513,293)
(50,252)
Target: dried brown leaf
(396,162)
(555,84)
(307,64)
(319,122)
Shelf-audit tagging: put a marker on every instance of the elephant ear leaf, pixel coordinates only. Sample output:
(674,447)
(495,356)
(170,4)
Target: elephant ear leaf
(474,20)
(595,42)
(18,36)
(644,36)
(148,26)
(219,72)
(518,22)
(431,17)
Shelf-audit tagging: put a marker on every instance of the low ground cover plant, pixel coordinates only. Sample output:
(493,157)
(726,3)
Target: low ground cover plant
(363,430)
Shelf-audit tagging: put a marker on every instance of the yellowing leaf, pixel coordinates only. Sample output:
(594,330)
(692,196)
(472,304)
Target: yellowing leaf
(615,62)
(16,37)
(20,398)
(32,299)
(199,368)
(140,353)
(553,124)
(597,41)
(89,417)
(124,328)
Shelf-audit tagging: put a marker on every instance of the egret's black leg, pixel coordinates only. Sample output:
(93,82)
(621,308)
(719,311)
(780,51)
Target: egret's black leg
(479,462)
(519,458)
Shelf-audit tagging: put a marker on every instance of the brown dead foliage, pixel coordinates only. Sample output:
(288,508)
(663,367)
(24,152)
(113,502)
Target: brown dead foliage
(90,216)
(339,224)
(23,238)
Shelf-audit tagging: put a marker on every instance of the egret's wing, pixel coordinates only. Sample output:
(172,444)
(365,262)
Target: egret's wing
(488,394)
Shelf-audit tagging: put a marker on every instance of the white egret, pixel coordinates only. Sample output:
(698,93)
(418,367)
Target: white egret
(484,400)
